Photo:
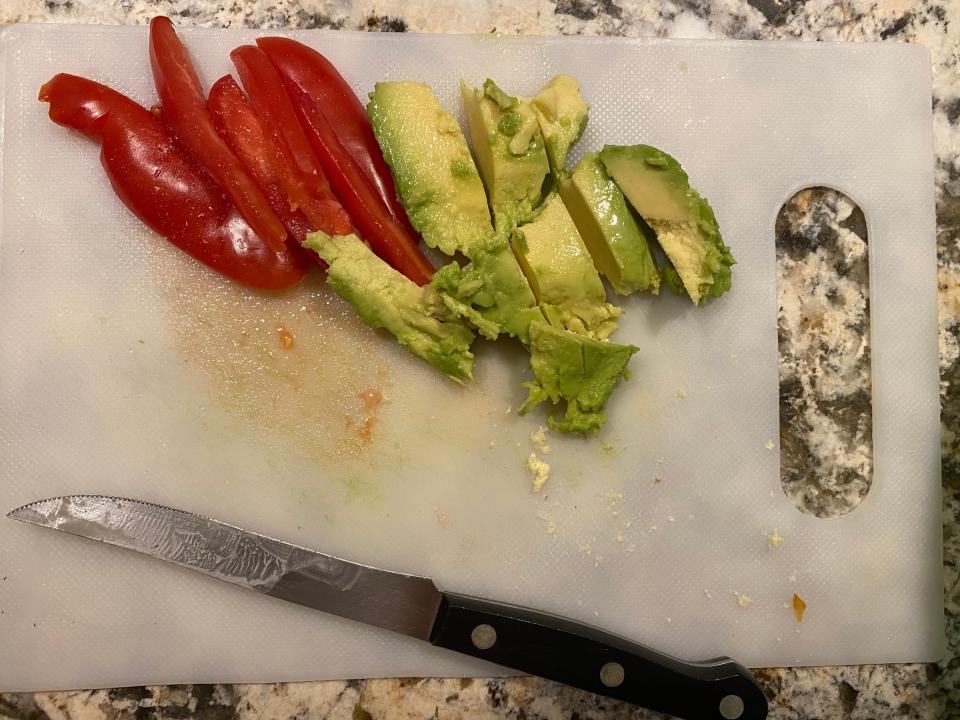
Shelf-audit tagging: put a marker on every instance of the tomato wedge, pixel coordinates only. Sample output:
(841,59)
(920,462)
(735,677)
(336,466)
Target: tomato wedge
(302,179)
(164,187)
(377,226)
(316,76)
(185,110)
(240,128)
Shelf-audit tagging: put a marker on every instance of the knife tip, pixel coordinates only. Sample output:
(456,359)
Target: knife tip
(16,513)
(22,513)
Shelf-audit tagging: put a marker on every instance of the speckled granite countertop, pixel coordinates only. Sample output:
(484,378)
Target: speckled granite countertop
(818,233)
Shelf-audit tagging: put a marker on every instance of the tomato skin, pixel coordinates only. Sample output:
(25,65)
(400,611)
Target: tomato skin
(164,187)
(303,178)
(309,70)
(185,110)
(387,238)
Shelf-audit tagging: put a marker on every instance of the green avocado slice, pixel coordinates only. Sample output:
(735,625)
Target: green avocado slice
(614,239)
(509,150)
(436,180)
(562,115)
(683,221)
(384,298)
(561,273)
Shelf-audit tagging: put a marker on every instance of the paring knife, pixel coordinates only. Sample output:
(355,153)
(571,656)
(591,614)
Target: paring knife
(533,642)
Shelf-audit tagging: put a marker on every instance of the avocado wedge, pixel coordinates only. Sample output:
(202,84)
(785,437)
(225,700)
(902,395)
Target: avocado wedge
(437,181)
(683,221)
(509,150)
(384,298)
(617,244)
(562,115)
(561,273)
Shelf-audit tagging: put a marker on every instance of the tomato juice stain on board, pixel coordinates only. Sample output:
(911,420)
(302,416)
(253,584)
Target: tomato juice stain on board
(286,338)
(292,365)
(362,427)
(371,398)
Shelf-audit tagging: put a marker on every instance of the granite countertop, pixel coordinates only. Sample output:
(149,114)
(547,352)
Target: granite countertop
(821,252)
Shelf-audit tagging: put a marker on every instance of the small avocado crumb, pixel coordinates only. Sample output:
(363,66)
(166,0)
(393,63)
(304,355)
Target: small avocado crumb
(539,440)
(539,470)
(774,539)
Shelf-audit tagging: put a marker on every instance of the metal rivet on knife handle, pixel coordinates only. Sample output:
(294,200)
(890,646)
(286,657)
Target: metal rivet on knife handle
(731,707)
(483,637)
(612,674)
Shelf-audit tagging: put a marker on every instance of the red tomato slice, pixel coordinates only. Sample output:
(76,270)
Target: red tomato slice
(310,71)
(239,127)
(305,184)
(164,187)
(387,238)
(185,110)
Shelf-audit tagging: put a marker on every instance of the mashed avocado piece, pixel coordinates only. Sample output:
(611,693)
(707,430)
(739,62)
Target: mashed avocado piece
(578,370)
(384,298)
(490,291)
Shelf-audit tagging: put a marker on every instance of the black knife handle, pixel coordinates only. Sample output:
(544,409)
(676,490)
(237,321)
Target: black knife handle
(590,659)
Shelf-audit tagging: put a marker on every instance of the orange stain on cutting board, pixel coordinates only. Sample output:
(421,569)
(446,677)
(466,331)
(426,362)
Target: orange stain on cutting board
(362,426)
(294,363)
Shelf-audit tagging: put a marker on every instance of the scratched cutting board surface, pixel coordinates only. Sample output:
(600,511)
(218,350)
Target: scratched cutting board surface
(128,369)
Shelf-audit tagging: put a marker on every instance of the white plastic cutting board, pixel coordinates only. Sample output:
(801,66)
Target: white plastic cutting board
(126,368)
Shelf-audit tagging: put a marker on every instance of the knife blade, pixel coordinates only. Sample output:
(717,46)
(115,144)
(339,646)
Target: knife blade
(520,638)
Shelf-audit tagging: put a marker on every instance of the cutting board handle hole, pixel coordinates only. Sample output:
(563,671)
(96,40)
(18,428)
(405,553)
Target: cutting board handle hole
(826,422)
